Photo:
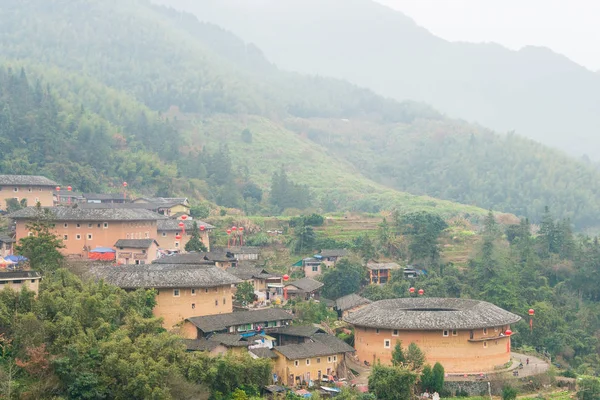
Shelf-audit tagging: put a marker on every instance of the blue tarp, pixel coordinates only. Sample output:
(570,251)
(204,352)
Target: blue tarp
(16,259)
(102,250)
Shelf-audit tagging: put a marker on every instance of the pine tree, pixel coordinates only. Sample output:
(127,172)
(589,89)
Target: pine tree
(195,242)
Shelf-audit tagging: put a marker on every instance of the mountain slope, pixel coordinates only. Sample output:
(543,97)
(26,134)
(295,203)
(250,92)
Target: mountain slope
(535,92)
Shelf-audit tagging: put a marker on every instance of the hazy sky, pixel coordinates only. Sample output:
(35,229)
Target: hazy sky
(568,27)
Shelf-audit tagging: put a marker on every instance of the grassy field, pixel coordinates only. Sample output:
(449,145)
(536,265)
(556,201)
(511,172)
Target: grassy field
(274,147)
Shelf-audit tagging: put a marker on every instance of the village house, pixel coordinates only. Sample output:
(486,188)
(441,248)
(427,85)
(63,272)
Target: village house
(220,260)
(294,334)
(83,229)
(311,266)
(166,209)
(463,335)
(169,230)
(350,303)
(240,322)
(303,289)
(18,279)
(67,197)
(6,245)
(330,257)
(243,253)
(179,200)
(323,355)
(219,344)
(136,251)
(33,189)
(267,285)
(106,198)
(183,290)
(380,273)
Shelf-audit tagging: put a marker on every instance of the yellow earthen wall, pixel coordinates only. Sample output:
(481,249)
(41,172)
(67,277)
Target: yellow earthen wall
(33,194)
(284,367)
(31,284)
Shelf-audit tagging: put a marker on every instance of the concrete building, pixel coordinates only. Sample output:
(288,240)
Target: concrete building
(83,229)
(303,289)
(184,290)
(330,257)
(239,322)
(270,285)
(6,245)
(380,273)
(169,229)
(33,189)
(243,253)
(136,251)
(17,279)
(463,335)
(321,355)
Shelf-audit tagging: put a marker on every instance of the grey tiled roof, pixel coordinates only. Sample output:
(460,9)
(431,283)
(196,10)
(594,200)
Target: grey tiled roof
(104,196)
(246,273)
(6,239)
(135,243)
(350,301)
(375,266)
(219,322)
(20,274)
(431,314)
(334,252)
(263,352)
(33,180)
(323,344)
(173,224)
(195,258)
(140,206)
(297,330)
(86,214)
(163,276)
(229,340)
(241,249)
(200,345)
(307,284)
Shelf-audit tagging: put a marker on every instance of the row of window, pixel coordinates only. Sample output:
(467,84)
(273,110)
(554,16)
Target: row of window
(15,282)
(137,235)
(445,332)
(329,359)
(16,189)
(89,225)
(177,292)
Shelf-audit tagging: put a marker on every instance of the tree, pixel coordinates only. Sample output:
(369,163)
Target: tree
(13,205)
(415,358)
(509,393)
(195,242)
(244,293)
(345,278)
(199,211)
(364,246)
(391,383)
(304,239)
(424,229)
(398,358)
(589,389)
(42,247)
(437,378)
(246,136)
(313,312)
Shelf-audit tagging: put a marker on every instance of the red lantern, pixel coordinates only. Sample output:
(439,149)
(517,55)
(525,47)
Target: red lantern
(286,277)
(178,236)
(229,231)
(58,188)
(411,290)
(531,311)
(181,224)
(508,332)
(241,229)
(124,184)
(234,228)
(69,188)
(184,217)
(421,292)
(202,227)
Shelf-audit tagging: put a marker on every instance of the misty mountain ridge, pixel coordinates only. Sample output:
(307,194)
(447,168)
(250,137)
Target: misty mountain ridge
(533,91)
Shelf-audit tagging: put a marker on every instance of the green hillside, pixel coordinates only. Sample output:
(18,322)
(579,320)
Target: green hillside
(354,150)
(534,91)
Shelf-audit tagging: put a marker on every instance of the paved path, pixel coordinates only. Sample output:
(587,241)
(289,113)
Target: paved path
(536,365)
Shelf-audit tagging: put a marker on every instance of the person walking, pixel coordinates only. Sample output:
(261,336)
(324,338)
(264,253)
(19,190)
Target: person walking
(527,360)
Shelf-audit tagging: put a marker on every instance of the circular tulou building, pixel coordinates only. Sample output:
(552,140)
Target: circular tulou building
(463,335)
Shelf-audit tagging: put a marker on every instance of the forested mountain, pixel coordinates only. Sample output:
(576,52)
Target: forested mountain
(538,93)
(239,119)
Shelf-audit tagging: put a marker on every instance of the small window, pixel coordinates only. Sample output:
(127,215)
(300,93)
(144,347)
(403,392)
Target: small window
(454,332)
(176,244)
(395,332)
(127,236)
(90,225)
(485,331)
(193,292)
(98,225)
(89,236)
(445,333)
(206,290)
(484,345)
(175,292)
(33,281)
(37,200)
(377,331)
(65,237)
(495,329)
(193,305)
(106,225)
(29,233)
(17,281)
(315,268)
(78,237)
(318,360)
(216,302)
(471,335)
(334,358)
(78,225)
(386,343)
(308,361)
(296,363)
(164,234)
(29,189)
(329,359)
(223,300)
(15,190)
(147,235)
(66,225)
